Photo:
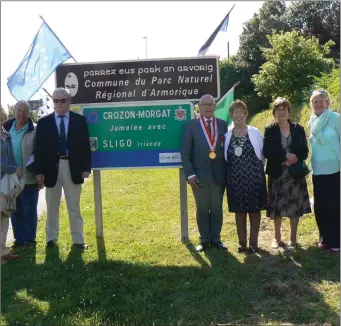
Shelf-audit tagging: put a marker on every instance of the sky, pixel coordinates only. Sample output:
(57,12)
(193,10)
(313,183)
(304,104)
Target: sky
(114,31)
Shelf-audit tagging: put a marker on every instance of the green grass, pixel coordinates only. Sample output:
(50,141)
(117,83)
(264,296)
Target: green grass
(140,273)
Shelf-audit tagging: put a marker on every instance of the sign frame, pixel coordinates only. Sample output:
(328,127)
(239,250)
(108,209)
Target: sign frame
(127,104)
(149,60)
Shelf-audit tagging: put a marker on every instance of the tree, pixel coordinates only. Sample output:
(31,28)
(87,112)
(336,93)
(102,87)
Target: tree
(317,18)
(270,18)
(249,56)
(292,63)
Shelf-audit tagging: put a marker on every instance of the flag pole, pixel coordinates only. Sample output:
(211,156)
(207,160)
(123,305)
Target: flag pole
(46,92)
(41,17)
(233,87)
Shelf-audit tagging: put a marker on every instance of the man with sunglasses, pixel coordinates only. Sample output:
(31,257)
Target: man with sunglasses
(62,158)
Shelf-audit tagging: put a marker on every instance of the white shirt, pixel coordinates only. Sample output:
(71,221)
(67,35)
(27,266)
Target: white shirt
(193,175)
(59,120)
(256,139)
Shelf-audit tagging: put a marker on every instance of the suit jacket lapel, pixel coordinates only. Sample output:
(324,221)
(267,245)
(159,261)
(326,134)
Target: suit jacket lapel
(69,129)
(53,124)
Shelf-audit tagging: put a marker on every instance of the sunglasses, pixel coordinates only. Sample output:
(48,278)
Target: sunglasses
(62,100)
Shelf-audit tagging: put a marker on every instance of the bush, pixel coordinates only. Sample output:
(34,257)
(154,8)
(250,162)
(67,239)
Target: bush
(293,63)
(331,83)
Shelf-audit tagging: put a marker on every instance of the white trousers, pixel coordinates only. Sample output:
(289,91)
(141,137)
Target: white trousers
(72,195)
(3,235)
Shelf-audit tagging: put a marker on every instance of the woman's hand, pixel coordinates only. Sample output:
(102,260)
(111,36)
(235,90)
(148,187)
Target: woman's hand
(19,172)
(291,158)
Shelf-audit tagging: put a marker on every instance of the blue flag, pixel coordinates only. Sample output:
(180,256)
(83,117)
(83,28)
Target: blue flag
(45,54)
(222,27)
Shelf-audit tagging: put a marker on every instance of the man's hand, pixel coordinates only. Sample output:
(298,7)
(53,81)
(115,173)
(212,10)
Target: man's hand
(194,182)
(85,174)
(40,178)
(40,186)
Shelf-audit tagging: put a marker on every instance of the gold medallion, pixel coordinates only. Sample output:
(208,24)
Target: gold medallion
(212,155)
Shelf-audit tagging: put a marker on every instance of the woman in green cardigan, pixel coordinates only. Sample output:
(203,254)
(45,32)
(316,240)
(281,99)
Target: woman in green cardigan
(325,161)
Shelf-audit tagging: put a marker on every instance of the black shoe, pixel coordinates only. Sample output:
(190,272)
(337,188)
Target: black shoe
(242,249)
(253,250)
(202,247)
(81,246)
(219,245)
(17,244)
(51,244)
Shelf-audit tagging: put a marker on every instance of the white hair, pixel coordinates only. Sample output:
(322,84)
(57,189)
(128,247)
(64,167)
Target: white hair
(62,90)
(206,95)
(26,104)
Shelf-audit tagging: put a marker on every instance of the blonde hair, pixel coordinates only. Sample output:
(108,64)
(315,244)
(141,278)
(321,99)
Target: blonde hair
(238,104)
(320,92)
(278,102)
(4,110)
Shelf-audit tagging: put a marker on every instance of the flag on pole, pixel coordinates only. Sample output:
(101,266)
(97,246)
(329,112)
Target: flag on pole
(223,106)
(222,27)
(47,106)
(44,55)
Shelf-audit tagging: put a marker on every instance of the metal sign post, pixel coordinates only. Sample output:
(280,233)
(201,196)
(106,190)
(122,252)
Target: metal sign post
(136,112)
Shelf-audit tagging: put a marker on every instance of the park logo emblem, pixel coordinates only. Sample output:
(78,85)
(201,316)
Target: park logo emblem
(93,143)
(71,83)
(92,118)
(180,114)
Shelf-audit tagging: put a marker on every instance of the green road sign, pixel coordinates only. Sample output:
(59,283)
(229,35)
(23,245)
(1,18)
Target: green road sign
(137,135)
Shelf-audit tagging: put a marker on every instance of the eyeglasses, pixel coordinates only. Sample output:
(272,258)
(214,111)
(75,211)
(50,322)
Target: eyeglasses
(62,100)
(280,109)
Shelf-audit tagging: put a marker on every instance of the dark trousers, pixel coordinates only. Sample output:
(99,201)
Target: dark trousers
(209,202)
(327,207)
(25,219)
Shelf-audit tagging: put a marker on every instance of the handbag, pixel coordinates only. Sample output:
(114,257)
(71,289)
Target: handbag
(300,168)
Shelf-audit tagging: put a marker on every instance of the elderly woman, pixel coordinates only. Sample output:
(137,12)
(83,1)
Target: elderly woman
(285,144)
(8,166)
(246,185)
(24,220)
(325,161)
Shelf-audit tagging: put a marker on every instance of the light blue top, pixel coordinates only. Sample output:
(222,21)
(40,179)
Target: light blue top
(325,157)
(17,136)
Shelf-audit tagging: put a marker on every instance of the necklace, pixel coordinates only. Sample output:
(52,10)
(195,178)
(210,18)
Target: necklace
(238,143)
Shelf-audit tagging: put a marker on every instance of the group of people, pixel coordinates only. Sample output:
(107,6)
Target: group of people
(217,158)
(54,154)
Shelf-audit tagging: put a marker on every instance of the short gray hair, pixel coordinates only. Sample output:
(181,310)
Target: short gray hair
(26,104)
(206,95)
(62,90)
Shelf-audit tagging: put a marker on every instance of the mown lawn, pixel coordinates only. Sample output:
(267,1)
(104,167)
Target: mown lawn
(140,273)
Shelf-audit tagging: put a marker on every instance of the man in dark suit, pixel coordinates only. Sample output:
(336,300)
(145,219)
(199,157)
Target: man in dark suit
(62,160)
(202,155)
